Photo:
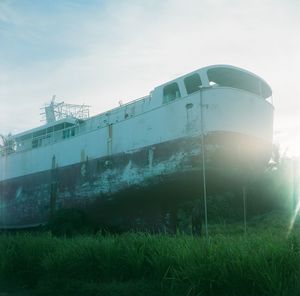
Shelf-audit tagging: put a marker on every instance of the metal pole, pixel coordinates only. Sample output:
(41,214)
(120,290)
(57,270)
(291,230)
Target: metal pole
(203,164)
(245,213)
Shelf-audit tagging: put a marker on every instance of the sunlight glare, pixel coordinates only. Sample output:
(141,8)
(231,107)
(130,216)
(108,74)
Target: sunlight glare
(295,191)
(291,226)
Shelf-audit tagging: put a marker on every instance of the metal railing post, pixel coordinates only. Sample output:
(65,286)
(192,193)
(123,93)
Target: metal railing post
(203,164)
(245,210)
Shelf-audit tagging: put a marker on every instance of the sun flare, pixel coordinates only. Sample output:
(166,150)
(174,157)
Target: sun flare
(295,193)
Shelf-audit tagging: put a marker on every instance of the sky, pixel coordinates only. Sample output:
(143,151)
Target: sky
(99,52)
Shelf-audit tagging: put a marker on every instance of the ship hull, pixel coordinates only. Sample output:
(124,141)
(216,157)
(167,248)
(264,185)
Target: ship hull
(135,165)
(136,189)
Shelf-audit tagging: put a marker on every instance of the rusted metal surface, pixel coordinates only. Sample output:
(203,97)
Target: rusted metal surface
(162,173)
(133,162)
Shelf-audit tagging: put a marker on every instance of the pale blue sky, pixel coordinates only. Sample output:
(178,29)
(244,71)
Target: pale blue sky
(100,52)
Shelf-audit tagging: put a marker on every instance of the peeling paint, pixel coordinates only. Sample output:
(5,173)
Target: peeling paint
(146,147)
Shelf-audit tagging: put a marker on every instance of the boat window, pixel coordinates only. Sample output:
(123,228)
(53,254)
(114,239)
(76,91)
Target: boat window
(24,138)
(59,127)
(67,133)
(222,76)
(192,83)
(171,92)
(39,133)
(50,130)
(36,143)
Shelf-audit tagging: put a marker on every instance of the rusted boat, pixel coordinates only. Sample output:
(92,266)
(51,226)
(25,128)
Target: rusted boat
(134,164)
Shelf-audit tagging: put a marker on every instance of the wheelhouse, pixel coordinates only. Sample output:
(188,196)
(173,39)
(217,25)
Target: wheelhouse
(214,76)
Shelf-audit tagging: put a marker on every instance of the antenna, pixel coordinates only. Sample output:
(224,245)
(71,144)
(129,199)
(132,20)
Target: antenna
(57,111)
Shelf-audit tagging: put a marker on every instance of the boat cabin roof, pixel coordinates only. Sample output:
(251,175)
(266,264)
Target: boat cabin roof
(215,75)
(230,76)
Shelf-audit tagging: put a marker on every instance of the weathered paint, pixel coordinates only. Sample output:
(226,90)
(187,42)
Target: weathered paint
(226,110)
(171,168)
(141,148)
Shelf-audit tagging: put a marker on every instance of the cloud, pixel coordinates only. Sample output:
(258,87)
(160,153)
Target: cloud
(99,52)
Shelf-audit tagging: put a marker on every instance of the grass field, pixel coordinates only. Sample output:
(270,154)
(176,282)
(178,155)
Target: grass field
(265,261)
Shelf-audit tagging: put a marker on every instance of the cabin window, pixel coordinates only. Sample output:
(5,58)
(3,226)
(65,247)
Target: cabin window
(192,83)
(25,138)
(59,127)
(171,92)
(222,76)
(39,133)
(50,130)
(36,143)
(68,133)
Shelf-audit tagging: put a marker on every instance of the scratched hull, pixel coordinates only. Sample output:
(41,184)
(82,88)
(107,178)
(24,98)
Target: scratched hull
(134,188)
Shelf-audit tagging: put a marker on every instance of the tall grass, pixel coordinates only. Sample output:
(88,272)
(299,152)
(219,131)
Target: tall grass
(142,264)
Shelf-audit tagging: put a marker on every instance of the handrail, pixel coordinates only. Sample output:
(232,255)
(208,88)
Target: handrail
(52,137)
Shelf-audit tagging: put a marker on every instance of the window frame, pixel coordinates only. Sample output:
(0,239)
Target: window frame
(187,87)
(174,95)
